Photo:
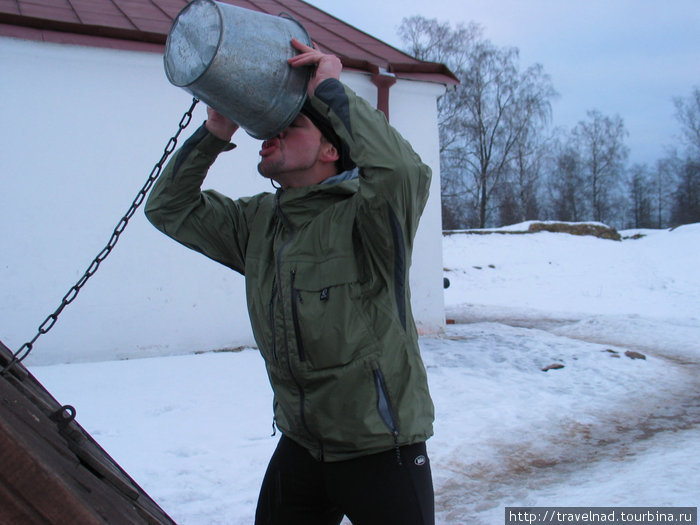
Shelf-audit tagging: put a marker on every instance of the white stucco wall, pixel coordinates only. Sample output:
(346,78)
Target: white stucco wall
(81,129)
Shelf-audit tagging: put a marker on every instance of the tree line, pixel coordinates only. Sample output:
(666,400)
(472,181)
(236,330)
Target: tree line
(501,163)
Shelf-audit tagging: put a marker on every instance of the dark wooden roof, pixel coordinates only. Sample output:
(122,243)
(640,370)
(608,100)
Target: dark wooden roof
(144,25)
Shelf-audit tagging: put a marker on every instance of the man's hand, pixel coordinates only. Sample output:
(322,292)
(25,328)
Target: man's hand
(327,66)
(220,126)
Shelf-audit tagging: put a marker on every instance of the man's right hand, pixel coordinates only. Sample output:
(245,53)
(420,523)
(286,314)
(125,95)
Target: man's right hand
(326,66)
(220,126)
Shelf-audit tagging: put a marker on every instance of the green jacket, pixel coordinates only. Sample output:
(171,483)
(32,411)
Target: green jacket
(326,271)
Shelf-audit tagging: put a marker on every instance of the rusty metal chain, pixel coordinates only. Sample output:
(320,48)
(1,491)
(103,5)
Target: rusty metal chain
(49,322)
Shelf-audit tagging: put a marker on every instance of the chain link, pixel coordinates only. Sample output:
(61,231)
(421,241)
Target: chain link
(72,293)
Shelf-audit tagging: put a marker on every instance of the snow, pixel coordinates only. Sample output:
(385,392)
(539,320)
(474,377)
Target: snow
(604,430)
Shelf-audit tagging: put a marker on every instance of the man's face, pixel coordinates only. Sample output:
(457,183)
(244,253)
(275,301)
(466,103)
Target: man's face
(288,157)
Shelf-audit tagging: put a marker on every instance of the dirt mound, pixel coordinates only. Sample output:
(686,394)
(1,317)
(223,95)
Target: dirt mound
(577,228)
(574,228)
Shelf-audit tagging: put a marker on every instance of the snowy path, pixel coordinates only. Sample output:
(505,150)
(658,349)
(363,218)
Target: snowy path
(614,436)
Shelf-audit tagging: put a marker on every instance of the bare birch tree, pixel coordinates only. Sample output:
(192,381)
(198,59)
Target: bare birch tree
(485,118)
(640,197)
(600,144)
(686,197)
(688,116)
(565,185)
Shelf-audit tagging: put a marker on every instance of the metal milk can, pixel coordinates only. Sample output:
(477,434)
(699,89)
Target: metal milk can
(235,60)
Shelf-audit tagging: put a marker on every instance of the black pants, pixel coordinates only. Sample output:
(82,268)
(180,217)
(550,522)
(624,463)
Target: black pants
(371,490)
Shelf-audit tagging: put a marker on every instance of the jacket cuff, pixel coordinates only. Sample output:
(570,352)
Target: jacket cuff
(210,144)
(329,89)
(332,93)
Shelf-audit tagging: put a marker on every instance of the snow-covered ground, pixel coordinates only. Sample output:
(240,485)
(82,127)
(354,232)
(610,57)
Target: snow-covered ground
(606,429)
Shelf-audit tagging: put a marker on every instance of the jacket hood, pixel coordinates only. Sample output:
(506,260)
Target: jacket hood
(301,205)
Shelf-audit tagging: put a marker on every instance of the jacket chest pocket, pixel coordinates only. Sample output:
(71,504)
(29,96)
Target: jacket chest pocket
(329,321)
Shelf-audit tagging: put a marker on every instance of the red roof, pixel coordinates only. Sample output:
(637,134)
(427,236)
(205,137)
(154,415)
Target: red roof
(144,25)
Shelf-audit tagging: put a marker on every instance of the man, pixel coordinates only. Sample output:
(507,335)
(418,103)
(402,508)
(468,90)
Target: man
(326,263)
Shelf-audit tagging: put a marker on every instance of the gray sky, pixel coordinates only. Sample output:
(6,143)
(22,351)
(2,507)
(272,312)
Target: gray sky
(624,57)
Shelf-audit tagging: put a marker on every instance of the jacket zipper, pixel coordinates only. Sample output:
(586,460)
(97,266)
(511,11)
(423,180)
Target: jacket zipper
(386,412)
(272,320)
(296,297)
(302,394)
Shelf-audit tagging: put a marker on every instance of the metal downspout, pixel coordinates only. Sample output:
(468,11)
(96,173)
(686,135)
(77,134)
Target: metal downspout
(383,80)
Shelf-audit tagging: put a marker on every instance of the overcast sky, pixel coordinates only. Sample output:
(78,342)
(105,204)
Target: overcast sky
(624,57)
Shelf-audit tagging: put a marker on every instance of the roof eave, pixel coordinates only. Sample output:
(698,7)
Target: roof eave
(64,32)
(58,26)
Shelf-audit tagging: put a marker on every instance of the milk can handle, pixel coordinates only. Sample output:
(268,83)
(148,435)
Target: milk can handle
(290,17)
